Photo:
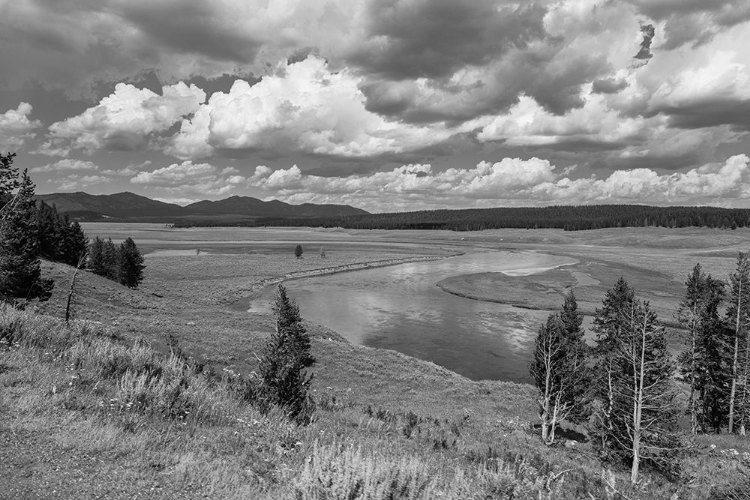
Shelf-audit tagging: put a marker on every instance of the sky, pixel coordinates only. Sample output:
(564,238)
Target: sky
(387,105)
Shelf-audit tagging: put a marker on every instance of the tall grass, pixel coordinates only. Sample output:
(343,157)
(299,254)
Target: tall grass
(144,381)
(165,413)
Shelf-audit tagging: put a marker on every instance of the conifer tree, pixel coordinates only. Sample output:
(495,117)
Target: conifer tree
(59,238)
(20,270)
(738,314)
(284,380)
(713,361)
(111,260)
(96,257)
(635,415)
(48,231)
(577,353)
(609,325)
(76,244)
(8,182)
(689,314)
(645,394)
(130,270)
(553,376)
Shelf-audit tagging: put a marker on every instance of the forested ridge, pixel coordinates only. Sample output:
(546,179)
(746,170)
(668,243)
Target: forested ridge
(569,218)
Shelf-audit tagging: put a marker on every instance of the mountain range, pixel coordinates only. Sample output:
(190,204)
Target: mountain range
(127,205)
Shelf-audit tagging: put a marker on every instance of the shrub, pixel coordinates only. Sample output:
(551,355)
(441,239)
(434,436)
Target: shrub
(339,471)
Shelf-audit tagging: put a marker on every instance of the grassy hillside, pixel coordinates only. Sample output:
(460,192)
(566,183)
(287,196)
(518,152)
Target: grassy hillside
(97,408)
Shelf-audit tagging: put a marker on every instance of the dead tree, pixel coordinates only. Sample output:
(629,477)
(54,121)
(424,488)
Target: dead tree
(81,262)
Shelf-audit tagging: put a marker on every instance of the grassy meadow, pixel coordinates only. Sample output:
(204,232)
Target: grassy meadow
(99,408)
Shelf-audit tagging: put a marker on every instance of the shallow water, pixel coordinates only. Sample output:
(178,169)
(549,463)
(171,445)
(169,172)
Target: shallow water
(400,308)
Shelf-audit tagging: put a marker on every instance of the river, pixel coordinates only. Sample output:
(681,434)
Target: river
(400,308)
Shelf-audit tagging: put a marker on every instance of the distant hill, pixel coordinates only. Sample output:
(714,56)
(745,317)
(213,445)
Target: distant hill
(120,205)
(129,206)
(245,205)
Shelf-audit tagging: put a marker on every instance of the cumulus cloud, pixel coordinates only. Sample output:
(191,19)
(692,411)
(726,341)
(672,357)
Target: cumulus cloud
(710,184)
(76,182)
(66,164)
(125,119)
(16,128)
(528,123)
(191,178)
(703,95)
(508,182)
(485,181)
(303,107)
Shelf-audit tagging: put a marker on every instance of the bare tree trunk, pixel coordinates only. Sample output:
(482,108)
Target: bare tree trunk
(733,391)
(744,385)
(81,260)
(693,406)
(547,391)
(638,405)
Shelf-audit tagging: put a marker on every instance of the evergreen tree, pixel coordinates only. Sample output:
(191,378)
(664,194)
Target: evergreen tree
(20,270)
(284,380)
(49,231)
(713,361)
(689,315)
(96,257)
(111,260)
(298,251)
(8,182)
(637,418)
(738,314)
(577,353)
(554,374)
(609,325)
(76,244)
(131,266)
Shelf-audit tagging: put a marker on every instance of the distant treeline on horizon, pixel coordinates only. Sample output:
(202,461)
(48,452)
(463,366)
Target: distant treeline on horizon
(569,218)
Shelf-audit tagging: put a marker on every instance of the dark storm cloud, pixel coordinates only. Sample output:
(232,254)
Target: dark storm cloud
(552,78)
(710,113)
(434,39)
(608,86)
(191,26)
(402,100)
(557,88)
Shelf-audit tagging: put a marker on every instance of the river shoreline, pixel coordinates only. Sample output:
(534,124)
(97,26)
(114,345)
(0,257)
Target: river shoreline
(257,288)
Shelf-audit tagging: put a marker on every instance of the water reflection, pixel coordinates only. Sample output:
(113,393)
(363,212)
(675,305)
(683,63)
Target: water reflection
(400,308)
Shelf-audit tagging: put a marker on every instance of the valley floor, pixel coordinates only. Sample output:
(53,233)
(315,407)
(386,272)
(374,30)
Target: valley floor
(434,423)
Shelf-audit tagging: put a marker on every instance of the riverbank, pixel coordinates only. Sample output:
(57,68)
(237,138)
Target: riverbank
(357,266)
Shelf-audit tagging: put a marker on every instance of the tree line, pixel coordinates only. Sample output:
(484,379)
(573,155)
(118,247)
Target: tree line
(568,218)
(624,388)
(29,232)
